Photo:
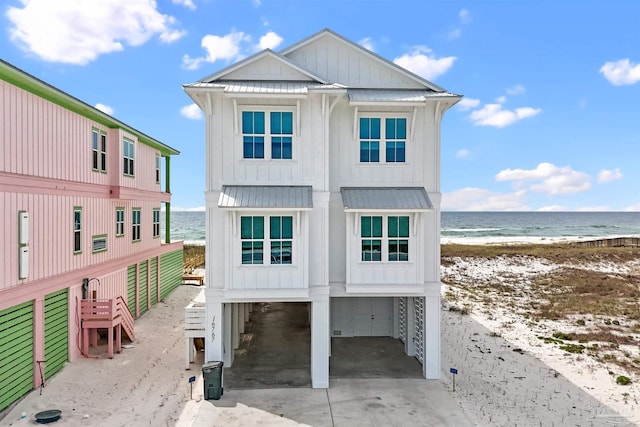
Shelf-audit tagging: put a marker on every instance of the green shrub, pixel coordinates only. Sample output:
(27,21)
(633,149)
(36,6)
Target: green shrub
(622,380)
(563,336)
(572,348)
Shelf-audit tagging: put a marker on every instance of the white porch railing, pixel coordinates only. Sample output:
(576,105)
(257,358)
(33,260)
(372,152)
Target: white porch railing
(194,315)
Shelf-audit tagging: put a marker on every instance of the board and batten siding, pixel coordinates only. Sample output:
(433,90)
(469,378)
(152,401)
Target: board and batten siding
(143,288)
(16,352)
(51,233)
(56,331)
(171,265)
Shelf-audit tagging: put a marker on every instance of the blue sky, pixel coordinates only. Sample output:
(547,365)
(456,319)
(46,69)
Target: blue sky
(550,118)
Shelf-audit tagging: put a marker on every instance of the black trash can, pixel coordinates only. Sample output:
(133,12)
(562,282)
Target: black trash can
(212,374)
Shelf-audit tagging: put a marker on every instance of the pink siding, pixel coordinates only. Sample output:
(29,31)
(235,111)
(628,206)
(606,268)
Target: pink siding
(51,233)
(57,139)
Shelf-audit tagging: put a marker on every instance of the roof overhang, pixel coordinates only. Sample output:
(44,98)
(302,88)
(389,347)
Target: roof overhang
(276,197)
(381,199)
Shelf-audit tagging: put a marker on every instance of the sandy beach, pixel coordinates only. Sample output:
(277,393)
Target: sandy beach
(507,374)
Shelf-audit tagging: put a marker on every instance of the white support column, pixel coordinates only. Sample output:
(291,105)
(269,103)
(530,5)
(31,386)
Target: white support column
(410,344)
(235,328)
(226,328)
(247,310)
(319,340)
(431,366)
(214,347)
(241,308)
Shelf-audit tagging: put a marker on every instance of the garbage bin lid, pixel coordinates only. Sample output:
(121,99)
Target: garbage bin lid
(212,365)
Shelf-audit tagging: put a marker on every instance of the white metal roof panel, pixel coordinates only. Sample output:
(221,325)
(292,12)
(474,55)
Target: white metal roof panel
(385,95)
(404,198)
(266,197)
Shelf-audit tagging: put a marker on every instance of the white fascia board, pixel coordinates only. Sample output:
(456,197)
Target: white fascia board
(383,211)
(265,95)
(258,209)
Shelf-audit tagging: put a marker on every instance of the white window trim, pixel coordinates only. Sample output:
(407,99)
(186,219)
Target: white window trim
(382,115)
(413,232)
(238,110)
(266,242)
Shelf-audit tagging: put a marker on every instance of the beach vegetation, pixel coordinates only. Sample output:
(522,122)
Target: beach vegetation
(622,380)
(572,348)
(563,336)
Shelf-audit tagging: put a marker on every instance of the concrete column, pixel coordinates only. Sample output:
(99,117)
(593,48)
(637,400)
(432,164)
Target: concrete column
(241,318)
(410,344)
(319,340)
(214,348)
(235,327)
(226,337)
(431,366)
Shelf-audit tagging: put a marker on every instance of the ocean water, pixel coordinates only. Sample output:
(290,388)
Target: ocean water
(482,227)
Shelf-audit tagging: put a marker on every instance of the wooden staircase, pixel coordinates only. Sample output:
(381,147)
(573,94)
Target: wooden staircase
(112,314)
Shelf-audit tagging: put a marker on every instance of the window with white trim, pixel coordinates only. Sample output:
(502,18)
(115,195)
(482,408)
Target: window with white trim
(77,230)
(279,240)
(267,135)
(128,152)
(158,168)
(135,225)
(99,150)
(156,223)
(384,238)
(119,222)
(99,243)
(382,139)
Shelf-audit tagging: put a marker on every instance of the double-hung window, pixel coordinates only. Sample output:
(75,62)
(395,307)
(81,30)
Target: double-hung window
(267,135)
(387,132)
(278,240)
(127,157)
(77,230)
(119,222)
(157,168)
(281,234)
(252,236)
(135,225)
(156,223)
(384,238)
(99,143)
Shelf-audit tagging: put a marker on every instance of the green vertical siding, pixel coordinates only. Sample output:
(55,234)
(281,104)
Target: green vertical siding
(131,289)
(143,288)
(154,280)
(56,331)
(171,265)
(16,352)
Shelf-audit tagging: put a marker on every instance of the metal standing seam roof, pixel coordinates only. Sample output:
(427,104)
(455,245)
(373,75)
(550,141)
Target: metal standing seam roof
(266,197)
(265,87)
(386,95)
(362,199)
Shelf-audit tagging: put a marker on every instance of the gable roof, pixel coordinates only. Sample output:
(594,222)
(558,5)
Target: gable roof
(329,33)
(267,53)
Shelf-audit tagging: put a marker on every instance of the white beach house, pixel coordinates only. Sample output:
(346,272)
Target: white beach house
(323,186)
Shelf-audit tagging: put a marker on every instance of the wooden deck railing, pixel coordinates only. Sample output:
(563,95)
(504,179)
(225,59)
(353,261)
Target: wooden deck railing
(109,314)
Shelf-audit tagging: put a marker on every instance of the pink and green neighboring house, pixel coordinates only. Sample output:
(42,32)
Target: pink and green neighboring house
(81,200)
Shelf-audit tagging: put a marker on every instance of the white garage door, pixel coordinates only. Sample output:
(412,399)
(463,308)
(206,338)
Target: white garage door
(372,317)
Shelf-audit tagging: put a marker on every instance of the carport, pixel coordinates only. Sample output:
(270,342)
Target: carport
(275,352)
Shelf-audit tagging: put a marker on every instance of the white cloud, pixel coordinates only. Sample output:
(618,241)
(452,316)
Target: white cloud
(77,32)
(465,16)
(622,72)
(367,43)
(186,3)
(179,209)
(218,48)
(454,34)
(271,40)
(516,90)
(548,178)
(633,208)
(191,111)
(104,108)
(609,175)
(467,104)
(593,209)
(479,199)
(422,62)
(463,153)
(494,115)
(552,208)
